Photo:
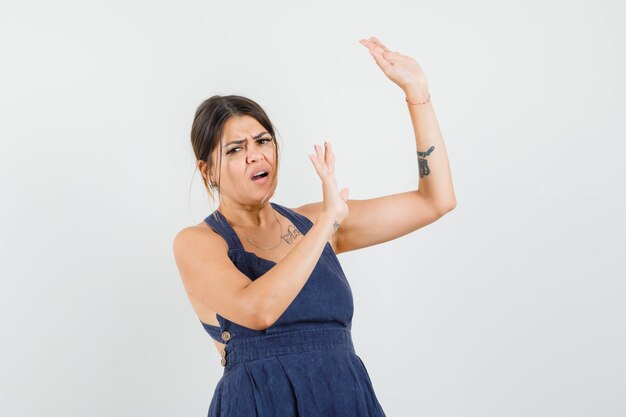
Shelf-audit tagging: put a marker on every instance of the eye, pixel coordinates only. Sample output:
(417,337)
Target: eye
(263,141)
(233,150)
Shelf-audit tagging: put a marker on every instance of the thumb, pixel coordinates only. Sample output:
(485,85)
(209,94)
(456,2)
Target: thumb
(344,194)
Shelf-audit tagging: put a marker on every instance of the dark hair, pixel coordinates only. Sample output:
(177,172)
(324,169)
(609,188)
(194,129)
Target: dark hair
(208,127)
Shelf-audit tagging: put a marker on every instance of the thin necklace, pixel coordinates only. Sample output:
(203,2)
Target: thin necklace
(281,234)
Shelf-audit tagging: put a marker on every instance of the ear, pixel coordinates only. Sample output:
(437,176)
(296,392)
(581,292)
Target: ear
(211,175)
(202,166)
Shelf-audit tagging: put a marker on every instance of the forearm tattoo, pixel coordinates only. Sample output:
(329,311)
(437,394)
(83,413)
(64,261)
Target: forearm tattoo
(422,163)
(336,226)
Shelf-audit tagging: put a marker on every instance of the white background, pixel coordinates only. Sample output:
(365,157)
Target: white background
(510,305)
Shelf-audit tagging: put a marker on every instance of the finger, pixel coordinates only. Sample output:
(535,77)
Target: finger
(327,151)
(330,157)
(381,61)
(323,168)
(391,57)
(318,151)
(315,164)
(369,45)
(345,194)
(379,43)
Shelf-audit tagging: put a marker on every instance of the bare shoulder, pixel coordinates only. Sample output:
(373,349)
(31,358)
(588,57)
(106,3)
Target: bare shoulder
(200,234)
(311,211)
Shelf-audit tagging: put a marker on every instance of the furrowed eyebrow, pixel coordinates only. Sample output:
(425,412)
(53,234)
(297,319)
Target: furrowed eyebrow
(237,142)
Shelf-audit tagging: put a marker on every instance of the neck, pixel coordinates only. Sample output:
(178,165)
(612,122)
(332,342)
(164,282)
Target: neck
(249,217)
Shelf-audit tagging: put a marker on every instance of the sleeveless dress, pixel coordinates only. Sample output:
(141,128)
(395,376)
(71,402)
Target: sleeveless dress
(304,365)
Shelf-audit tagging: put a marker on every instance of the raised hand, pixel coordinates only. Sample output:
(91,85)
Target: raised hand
(335,203)
(401,69)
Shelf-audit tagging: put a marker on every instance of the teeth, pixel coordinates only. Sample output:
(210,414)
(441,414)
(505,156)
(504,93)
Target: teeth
(259,173)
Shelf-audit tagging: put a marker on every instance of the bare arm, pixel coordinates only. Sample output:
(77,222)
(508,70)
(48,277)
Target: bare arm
(211,278)
(381,219)
(435,180)
(280,285)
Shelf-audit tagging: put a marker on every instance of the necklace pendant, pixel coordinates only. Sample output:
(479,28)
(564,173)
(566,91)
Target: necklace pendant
(279,240)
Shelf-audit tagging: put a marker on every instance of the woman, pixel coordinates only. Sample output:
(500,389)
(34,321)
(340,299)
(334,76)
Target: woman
(264,279)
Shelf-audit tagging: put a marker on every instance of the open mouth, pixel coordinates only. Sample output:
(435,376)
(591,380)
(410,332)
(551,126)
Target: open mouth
(260,176)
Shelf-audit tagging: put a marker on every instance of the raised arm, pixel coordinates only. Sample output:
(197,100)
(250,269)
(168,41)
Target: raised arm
(381,219)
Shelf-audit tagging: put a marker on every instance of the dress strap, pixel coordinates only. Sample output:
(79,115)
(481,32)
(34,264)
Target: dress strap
(214,331)
(218,222)
(301,222)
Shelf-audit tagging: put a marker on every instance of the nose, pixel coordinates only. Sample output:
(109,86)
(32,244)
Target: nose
(253,154)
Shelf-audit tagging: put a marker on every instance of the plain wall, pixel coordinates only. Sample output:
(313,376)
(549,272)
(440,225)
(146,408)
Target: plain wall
(510,305)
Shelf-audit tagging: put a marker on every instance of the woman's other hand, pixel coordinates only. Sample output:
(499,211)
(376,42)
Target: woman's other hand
(401,69)
(335,203)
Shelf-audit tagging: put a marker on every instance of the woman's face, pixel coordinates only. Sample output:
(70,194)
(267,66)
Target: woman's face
(246,148)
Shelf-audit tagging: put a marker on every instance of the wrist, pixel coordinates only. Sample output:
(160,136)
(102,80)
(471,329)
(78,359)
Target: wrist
(417,93)
(328,222)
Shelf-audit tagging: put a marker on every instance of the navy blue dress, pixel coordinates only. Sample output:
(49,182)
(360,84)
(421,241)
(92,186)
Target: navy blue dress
(304,365)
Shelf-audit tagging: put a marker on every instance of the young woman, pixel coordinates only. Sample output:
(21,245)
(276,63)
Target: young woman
(264,279)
